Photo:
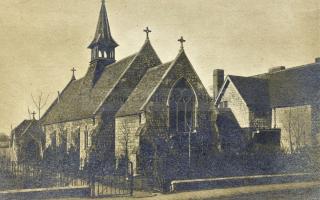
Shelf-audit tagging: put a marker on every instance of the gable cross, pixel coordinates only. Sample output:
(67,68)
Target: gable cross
(147,31)
(73,73)
(181,40)
(33,114)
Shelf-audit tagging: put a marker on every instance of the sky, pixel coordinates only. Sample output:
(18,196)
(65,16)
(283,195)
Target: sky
(41,40)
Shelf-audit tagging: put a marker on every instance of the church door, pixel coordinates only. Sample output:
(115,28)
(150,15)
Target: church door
(32,152)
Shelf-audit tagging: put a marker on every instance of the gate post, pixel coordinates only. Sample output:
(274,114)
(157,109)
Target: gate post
(92,185)
(131,178)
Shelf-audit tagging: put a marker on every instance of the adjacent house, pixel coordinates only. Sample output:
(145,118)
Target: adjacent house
(285,100)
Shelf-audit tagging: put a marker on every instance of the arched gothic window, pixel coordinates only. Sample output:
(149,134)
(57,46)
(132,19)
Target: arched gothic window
(182,107)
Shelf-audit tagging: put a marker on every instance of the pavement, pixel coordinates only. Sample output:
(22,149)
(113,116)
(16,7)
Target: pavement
(6,183)
(292,191)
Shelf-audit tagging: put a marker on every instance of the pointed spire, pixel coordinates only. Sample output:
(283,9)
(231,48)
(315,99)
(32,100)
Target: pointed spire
(103,34)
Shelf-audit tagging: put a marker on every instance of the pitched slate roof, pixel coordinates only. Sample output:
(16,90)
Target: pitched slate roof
(143,90)
(294,86)
(21,128)
(80,100)
(29,128)
(254,91)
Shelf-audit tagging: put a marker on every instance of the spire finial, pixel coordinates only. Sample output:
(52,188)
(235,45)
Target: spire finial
(147,31)
(103,2)
(73,73)
(33,115)
(181,40)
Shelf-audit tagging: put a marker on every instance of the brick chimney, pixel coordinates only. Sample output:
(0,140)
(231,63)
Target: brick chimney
(218,79)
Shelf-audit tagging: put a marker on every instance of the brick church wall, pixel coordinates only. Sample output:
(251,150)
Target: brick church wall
(68,128)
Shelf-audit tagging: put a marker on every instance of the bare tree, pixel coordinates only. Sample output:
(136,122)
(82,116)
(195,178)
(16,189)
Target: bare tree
(40,102)
(123,139)
(29,113)
(295,123)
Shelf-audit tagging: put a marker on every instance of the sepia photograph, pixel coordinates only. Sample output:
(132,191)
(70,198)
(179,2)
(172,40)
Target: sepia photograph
(160,99)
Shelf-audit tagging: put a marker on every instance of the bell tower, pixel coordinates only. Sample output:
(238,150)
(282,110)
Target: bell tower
(103,45)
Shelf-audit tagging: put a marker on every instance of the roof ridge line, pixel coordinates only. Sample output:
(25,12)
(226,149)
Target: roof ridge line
(287,69)
(161,65)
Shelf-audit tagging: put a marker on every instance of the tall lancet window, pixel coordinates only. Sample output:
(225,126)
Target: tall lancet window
(182,107)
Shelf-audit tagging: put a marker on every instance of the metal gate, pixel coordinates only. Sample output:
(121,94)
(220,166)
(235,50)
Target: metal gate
(115,184)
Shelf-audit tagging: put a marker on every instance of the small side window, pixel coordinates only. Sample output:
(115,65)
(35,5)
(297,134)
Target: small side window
(223,104)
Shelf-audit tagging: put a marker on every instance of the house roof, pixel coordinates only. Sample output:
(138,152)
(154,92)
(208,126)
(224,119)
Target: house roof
(254,91)
(293,86)
(290,87)
(143,90)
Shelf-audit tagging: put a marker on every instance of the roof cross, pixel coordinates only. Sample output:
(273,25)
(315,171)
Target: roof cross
(181,40)
(33,115)
(147,31)
(73,73)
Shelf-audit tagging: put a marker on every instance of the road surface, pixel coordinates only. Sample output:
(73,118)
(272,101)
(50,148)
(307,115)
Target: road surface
(288,191)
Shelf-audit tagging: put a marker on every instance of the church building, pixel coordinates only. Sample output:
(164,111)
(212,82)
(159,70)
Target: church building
(119,107)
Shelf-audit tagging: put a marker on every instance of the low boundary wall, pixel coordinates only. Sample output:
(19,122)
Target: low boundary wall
(43,193)
(211,183)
